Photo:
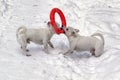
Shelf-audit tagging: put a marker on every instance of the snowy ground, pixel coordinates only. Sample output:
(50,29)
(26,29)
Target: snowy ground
(87,15)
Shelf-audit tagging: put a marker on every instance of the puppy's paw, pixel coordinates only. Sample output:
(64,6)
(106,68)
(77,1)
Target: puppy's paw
(60,53)
(46,51)
(52,46)
(97,55)
(27,50)
(28,55)
(65,53)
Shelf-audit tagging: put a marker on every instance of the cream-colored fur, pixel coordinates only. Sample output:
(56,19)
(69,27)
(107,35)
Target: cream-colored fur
(38,36)
(84,43)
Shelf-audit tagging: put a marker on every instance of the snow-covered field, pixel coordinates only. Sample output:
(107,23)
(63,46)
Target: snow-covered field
(88,16)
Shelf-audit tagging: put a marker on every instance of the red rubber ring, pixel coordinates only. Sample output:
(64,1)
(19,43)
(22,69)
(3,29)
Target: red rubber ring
(52,20)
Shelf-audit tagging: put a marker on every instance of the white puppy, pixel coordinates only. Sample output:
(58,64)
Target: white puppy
(84,43)
(38,36)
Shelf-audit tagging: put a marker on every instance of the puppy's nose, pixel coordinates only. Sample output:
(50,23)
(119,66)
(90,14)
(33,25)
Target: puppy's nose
(61,28)
(48,23)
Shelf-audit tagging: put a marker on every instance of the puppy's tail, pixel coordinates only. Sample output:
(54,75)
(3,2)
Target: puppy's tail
(21,30)
(21,33)
(100,35)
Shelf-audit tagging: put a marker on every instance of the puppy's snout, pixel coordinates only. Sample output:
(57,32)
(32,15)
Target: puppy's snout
(66,29)
(64,32)
(73,32)
(48,23)
(62,28)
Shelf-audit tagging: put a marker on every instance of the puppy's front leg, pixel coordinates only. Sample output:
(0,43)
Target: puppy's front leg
(45,46)
(69,51)
(72,47)
(51,45)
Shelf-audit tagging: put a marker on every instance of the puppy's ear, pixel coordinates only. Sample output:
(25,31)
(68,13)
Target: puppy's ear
(77,30)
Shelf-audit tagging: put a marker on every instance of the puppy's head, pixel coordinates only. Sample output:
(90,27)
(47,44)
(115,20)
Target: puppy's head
(51,27)
(69,31)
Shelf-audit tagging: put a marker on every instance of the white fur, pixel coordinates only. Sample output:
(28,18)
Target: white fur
(84,43)
(38,36)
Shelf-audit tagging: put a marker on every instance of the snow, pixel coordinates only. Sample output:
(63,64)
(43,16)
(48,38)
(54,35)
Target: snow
(88,16)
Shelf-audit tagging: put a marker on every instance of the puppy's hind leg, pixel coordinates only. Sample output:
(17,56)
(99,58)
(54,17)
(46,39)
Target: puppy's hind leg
(25,51)
(92,51)
(23,46)
(72,47)
(28,40)
(69,51)
(51,45)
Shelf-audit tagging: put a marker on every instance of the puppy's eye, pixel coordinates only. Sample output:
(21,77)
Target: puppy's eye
(67,29)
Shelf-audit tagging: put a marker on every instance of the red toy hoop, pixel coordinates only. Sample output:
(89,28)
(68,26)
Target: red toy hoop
(52,20)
